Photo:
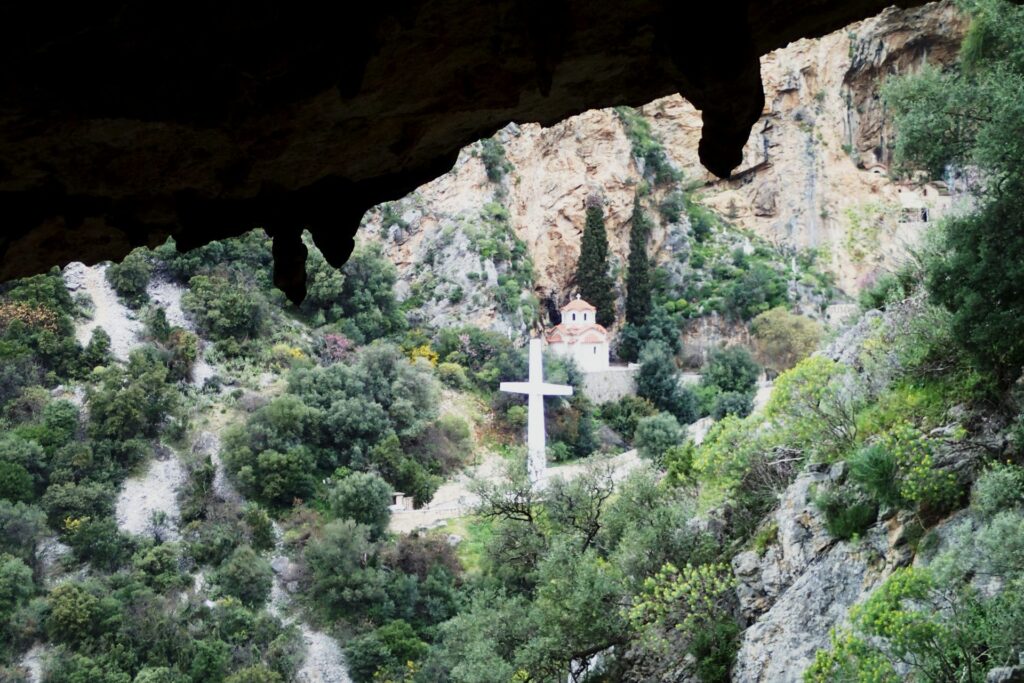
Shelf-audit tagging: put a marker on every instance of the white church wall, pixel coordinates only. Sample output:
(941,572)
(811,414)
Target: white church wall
(591,357)
(609,384)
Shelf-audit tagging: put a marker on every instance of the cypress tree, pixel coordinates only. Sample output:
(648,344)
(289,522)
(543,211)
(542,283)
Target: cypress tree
(592,270)
(638,275)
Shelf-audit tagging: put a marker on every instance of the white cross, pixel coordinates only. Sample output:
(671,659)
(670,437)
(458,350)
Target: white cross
(536,389)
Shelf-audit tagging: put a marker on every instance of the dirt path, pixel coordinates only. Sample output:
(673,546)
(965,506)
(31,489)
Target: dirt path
(108,311)
(167,295)
(324,661)
(155,491)
(454,498)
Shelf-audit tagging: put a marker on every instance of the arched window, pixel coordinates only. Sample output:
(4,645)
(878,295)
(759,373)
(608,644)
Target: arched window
(584,317)
(595,349)
(574,316)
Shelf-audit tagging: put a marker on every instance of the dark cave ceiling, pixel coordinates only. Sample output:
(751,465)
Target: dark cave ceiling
(124,123)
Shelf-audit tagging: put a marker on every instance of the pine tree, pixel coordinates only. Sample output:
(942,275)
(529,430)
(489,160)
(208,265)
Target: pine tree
(638,276)
(592,270)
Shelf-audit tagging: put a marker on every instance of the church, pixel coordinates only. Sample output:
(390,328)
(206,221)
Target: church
(579,336)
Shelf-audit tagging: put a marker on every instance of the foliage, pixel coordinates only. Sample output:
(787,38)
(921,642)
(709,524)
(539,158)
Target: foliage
(492,154)
(847,512)
(363,497)
(656,164)
(783,339)
(249,255)
(818,400)
(224,308)
(130,404)
(592,278)
(966,121)
(453,375)
(935,631)
(367,300)
(625,414)
(756,291)
(877,472)
(246,576)
(638,276)
(1000,487)
(659,326)
(932,490)
(739,403)
(658,382)
(131,277)
(656,434)
(731,369)
(686,611)
(383,654)
(324,285)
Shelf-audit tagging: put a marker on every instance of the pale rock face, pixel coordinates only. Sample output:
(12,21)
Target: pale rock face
(815,175)
(814,170)
(804,584)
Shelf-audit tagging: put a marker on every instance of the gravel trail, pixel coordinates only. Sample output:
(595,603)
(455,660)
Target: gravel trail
(109,313)
(155,491)
(324,661)
(167,295)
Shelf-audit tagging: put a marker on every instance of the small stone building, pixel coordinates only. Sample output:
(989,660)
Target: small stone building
(579,337)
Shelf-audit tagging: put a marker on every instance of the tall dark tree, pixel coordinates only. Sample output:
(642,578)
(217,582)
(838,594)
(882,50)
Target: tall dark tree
(592,270)
(638,276)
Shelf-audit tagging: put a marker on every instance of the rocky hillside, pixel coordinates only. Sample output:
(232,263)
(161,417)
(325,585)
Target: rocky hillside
(814,179)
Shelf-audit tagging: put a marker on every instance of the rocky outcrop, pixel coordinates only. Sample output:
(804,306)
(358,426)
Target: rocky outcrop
(804,584)
(797,186)
(815,168)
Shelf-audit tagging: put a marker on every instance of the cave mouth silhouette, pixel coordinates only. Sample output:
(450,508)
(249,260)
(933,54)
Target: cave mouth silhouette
(122,125)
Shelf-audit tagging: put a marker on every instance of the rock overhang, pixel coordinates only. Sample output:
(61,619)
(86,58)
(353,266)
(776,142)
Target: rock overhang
(121,126)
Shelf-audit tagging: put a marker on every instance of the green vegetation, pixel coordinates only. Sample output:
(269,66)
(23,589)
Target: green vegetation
(130,277)
(657,166)
(638,278)
(492,153)
(783,338)
(968,118)
(592,278)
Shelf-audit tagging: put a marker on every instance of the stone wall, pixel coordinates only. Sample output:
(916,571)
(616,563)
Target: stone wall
(611,384)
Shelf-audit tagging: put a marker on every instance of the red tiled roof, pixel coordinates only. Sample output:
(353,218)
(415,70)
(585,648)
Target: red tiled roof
(578,305)
(591,333)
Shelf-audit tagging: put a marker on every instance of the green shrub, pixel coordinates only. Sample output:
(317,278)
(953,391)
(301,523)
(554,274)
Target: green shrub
(363,497)
(877,473)
(492,153)
(624,415)
(731,369)
(1001,543)
(1000,487)
(383,653)
(254,674)
(246,576)
(817,404)
(656,434)
(679,463)
(732,403)
(847,513)
(131,277)
(224,309)
(658,382)
(932,490)
(453,375)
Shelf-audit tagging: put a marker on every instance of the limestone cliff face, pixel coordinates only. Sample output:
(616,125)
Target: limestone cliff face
(814,176)
(815,169)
